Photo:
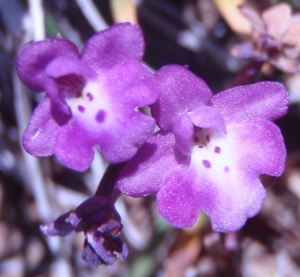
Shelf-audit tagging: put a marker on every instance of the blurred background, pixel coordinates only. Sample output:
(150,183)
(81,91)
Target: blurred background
(197,33)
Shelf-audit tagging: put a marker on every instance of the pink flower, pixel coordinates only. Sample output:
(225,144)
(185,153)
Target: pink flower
(92,99)
(275,37)
(210,150)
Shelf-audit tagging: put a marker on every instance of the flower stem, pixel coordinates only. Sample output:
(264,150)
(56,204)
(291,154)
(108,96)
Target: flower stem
(107,184)
(247,75)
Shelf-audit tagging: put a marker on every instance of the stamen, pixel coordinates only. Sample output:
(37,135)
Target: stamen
(207,138)
(196,139)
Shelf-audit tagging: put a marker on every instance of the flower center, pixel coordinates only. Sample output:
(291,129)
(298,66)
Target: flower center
(272,46)
(90,105)
(209,150)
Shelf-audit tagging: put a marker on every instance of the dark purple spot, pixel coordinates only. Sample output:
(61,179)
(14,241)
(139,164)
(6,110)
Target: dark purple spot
(81,108)
(206,163)
(90,96)
(217,150)
(200,146)
(226,168)
(196,139)
(207,138)
(100,116)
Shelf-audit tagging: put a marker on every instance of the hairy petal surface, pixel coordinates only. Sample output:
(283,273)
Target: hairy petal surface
(267,100)
(227,179)
(144,174)
(125,128)
(183,132)
(64,65)
(34,58)
(178,201)
(116,45)
(180,90)
(73,147)
(229,204)
(39,137)
(261,147)
(208,117)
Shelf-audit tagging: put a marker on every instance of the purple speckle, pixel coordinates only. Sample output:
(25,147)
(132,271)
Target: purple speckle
(207,138)
(100,116)
(226,168)
(217,149)
(81,108)
(206,163)
(196,139)
(90,96)
(200,146)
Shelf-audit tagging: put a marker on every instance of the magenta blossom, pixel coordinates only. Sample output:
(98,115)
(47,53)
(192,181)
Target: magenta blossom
(92,99)
(210,150)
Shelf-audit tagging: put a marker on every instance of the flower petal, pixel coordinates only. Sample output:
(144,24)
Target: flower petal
(40,135)
(177,201)
(227,180)
(246,50)
(261,147)
(275,27)
(291,34)
(90,257)
(128,87)
(252,15)
(35,57)
(65,65)
(105,246)
(74,147)
(180,90)
(119,43)
(268,100)
(145,172)
(229,204)
(122,141)
(208,117)
(183,131)
(286,65)
(132,85)
(227,200)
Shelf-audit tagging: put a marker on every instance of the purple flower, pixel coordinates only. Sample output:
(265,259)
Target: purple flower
(100,221)
(210,150)
(272,40)
(92,99)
